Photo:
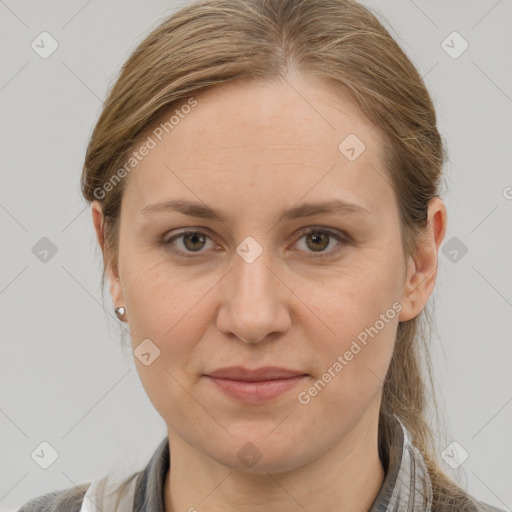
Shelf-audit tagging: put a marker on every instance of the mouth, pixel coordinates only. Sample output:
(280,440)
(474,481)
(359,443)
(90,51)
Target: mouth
(255,386)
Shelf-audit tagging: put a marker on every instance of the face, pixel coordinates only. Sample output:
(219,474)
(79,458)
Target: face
(269,281)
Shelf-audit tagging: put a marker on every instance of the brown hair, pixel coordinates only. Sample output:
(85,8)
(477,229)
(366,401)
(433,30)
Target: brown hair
(211,42)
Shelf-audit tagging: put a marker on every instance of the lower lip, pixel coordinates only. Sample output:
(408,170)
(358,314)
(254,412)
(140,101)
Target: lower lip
(257,391)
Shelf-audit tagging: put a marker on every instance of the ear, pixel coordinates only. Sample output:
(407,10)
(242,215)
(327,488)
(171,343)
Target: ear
(422,266)
(116,291)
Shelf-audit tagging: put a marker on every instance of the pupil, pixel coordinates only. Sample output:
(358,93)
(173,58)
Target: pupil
(194,237)
(317,238)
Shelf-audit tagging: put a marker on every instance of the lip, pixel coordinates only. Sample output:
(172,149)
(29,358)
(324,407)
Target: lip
(258,374)
(255,386)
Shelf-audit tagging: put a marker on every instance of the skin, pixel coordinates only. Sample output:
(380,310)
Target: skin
(250,151)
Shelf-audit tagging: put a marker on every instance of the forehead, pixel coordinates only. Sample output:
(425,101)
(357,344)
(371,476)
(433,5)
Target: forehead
(278,140)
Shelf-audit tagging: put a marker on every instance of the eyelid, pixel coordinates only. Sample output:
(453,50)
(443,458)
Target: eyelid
(336,233)
(200,229)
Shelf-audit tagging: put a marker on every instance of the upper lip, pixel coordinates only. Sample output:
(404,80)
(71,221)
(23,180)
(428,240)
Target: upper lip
(258,374)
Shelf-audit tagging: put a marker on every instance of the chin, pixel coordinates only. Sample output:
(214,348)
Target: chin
(262,457)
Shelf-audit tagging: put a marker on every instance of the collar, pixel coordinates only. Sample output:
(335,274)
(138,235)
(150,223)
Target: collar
(407,483)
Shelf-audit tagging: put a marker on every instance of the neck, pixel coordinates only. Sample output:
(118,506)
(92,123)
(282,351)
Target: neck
(348,477)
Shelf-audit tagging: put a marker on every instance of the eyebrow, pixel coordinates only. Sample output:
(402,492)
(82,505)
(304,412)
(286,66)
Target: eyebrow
(194,209)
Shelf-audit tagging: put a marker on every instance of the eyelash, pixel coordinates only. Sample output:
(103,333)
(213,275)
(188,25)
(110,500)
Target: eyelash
(341,238)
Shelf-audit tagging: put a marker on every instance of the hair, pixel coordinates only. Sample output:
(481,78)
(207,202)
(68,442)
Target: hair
(208,43)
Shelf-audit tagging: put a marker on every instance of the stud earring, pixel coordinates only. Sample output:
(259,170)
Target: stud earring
(120,313)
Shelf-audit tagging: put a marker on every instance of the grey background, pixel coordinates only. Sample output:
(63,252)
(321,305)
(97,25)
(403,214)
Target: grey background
(64,377)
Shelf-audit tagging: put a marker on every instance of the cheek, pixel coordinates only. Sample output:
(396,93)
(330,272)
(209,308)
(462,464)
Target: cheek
(165,305)
(359,310)
(169,310)
(355,296)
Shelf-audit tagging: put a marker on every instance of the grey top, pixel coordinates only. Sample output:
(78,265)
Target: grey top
(406,486)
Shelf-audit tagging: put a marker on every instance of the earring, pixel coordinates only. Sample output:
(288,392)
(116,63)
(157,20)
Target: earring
(120,313)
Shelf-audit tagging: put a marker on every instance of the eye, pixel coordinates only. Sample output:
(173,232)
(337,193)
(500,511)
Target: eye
(317,240)
(316,243)
(191,241)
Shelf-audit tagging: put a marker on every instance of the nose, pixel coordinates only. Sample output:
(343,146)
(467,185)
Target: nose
(254,306)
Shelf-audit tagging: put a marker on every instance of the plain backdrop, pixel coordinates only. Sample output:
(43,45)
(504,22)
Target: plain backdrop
(64,378)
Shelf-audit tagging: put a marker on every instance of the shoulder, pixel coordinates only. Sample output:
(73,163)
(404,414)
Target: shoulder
(469,505)
(484,507)
(66,500)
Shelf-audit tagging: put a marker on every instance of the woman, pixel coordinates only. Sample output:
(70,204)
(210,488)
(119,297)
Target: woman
(264,188)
